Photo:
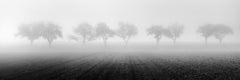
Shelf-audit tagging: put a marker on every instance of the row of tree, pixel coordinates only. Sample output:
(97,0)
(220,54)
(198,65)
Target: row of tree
(219,31)
(102,31)
(86,32)
(173,32)
(47,31)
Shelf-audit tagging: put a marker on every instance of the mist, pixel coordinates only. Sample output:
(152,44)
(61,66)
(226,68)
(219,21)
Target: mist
(133,37)
(70,13)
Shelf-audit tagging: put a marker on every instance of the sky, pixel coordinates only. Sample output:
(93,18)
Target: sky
(142,13)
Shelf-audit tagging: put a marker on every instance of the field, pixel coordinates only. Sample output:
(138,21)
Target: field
(109,64)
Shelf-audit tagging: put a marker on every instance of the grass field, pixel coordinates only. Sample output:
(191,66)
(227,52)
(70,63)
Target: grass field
(180,64)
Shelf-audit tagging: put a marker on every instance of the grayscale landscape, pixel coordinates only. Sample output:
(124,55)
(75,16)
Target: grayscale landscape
(119,40)
(124,63)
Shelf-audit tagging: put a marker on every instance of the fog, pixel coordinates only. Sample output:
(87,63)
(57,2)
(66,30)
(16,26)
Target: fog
(68,14)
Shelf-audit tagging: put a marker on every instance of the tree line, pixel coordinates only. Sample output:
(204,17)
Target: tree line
(48,31)
(86,32)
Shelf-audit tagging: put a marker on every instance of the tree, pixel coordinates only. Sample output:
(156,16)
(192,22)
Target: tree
(221,30)
(86,31)
(206,31)
(104,32)
(156,31)
(174,32)
(30,31)
(126,31)
(51,32)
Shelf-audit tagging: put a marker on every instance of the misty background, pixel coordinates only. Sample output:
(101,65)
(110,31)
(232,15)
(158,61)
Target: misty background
(70,13)
(142,57)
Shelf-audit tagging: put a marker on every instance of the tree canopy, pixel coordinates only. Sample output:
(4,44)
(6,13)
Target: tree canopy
(157,31)
(30,31)
(219,31)
(104,32)
(51,32)
(86,32)
(174,31)
(48,31)
(126,31)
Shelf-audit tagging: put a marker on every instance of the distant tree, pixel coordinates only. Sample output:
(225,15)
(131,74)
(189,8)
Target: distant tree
(174,31)
(104,32)
(51,32)
(206,31)
(156,31)
(126,31)
(86,31)
(221,30)
(30,31)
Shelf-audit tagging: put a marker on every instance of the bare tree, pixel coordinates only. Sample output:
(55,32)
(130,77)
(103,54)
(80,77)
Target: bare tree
(221,30)
(51,32)
(126,31)
(156,31)
(86,31)
(30,31)
(206,31)
(174,32)
(104,32)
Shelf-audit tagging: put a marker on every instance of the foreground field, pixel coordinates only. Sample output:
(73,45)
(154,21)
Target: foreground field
(126,66)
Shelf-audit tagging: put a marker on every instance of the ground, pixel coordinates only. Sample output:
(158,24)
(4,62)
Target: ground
(180,64)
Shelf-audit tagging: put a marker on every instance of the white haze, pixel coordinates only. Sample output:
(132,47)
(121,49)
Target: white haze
(142,13)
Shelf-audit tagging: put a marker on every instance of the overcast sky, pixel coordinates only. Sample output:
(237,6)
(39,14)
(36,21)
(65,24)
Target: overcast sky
(142,13)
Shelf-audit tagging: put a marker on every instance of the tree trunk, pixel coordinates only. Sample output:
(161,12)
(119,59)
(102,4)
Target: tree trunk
(174,41)
(105,42)
(126,42)
(157,40)
(206,40)
(220,41)
(84,41)
(49,43)
(31,42)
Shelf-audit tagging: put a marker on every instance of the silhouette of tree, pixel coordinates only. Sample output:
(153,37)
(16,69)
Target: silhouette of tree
(51,32)
(206,31)
(30,31)
(104,32)
(174,32)
(221,30)
(156,31)
(126,31)
(86,31)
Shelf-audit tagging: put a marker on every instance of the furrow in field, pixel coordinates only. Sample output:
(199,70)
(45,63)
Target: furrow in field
(48,68)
